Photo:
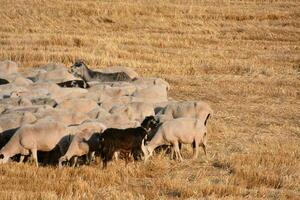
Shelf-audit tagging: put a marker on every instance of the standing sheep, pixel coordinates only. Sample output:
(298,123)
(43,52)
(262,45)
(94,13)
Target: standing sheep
(84,142)
(193,109)
(180,130)
(43,135)
(127,141)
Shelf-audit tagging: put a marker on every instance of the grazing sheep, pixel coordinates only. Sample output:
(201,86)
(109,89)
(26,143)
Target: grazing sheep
(98,113)
(193,109)
(68,93)
(152,94)
(47,111)
(84,142)
(108,104)
(118,121)
(135,111)
(15,102)
(80,69)
(16,119)
(11,90)
(159,107)
(44,101)
(146,82)
(77,105)
(56,74)
(43,135)
(127,141)
(64,116)
(113,89)
(180,130)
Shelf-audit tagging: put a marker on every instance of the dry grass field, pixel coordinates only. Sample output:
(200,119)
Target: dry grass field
(242,57)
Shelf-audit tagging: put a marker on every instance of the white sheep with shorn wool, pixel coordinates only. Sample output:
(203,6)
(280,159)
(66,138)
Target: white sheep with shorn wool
(175,131)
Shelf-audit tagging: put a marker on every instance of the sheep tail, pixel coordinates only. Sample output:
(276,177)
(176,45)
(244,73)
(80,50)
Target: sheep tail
(206,119)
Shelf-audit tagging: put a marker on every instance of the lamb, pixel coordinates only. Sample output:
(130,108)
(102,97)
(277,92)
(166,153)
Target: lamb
(80,69)
(43,135)
(175,131)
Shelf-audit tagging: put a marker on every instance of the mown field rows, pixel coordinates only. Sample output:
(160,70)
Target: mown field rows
(242,57)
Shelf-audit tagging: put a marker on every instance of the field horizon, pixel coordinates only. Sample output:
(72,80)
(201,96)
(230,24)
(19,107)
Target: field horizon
(241,57)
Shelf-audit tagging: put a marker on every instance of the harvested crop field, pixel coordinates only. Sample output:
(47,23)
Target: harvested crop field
(242,57)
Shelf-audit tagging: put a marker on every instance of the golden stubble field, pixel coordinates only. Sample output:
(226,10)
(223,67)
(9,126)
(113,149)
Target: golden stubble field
(242,57)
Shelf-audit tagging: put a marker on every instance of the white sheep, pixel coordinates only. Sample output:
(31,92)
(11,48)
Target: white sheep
(175,131)
(193,109)
(43,135)
(84,141)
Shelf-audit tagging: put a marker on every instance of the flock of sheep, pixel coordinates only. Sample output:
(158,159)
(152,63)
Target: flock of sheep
(61,115)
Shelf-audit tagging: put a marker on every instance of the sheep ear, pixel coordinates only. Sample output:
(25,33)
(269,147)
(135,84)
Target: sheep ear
(1,156)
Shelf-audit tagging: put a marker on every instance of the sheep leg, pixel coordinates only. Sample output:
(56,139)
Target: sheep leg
(179,145)
(21,159)
(176,155)
(126,158)
(164,151)
(195,150)
(172,153)
(204,143)
(92,156)
(106,159)
(136,154)
(87,159)
(107,156)
(75,161)
(148,150)
(60,161)
(104,163)
(34,155)
(116,156)
(204,148)
(177,151)
(150,153)
(46,159)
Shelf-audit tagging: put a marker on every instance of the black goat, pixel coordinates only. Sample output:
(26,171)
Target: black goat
(127,141)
